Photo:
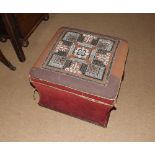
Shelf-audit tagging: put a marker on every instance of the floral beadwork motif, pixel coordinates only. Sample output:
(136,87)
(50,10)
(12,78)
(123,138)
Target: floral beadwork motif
(103,57)
(82,54)
(61,47)
(74,68)
(88,38)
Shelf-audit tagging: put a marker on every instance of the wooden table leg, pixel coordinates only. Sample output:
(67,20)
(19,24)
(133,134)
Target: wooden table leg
(6,62)
(13,33)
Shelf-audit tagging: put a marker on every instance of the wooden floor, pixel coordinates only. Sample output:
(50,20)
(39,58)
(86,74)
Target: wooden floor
(21,119)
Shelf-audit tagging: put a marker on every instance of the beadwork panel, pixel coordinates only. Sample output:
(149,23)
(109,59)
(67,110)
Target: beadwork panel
(83,55)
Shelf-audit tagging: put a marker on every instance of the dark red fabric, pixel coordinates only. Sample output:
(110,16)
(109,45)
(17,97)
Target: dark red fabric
(108,101)
(72,104)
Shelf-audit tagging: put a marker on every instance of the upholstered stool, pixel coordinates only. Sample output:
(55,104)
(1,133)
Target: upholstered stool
(80,73)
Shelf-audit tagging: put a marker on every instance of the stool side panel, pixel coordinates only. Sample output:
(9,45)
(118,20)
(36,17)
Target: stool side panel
(120,59)
(73,105)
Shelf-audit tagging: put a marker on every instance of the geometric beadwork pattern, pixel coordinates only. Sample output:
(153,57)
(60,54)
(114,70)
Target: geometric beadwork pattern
(82,54)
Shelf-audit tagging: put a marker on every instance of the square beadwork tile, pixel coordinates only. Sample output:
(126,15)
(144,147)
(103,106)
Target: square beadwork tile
(83,54)
(95,71)
(57,61)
